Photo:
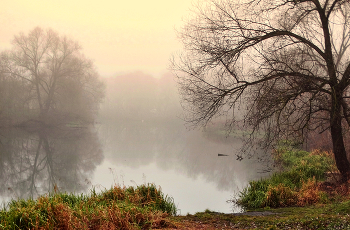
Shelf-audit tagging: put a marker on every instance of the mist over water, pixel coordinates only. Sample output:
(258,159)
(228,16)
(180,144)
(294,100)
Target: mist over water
(139,138)
(146,141)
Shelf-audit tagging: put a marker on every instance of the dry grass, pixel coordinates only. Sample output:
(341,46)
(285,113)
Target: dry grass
(309,193)
(297,183)
(144,207)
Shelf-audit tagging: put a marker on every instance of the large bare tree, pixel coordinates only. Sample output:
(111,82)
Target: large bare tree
(286,61)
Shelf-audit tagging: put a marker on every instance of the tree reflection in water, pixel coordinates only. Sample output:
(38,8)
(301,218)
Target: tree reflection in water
(47,159)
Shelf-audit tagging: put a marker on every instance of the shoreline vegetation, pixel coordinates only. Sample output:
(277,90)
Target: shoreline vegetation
(143,207)
(301,179)
(303,193)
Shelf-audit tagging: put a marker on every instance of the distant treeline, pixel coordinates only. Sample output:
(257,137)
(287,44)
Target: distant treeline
(141,98)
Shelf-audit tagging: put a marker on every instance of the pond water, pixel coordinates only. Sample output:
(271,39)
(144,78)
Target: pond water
(138,139)
(184,163)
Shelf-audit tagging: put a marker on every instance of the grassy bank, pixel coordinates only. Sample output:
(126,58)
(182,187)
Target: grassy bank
(300,181)
(143,207)
(297,196)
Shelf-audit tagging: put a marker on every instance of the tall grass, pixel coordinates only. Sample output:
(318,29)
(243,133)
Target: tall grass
(143,207)
(295,184)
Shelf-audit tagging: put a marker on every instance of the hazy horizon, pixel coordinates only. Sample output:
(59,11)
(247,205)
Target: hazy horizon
(119,36)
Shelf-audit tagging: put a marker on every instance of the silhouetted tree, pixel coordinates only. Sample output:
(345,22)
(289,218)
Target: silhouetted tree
(60,80)
(286,61)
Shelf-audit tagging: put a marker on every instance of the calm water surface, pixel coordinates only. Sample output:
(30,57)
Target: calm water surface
(184,163)
(139,139)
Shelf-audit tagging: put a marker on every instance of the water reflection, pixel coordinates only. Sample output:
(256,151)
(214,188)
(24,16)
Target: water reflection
(142,129)
(44,159)
(172,147)
(140,132)
(184,163)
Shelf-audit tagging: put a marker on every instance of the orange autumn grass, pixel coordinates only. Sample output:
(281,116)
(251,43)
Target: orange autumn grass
(299,181)
(143,207)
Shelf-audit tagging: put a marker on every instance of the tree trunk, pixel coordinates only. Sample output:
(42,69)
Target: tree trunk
(339,151)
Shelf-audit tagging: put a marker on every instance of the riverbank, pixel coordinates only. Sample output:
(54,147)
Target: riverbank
(303,193)
(141,207)
(145,207)
(331,216)
(298,196)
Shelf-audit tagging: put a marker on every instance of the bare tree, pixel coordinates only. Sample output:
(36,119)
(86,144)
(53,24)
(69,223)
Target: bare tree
(54,68)
(286,61)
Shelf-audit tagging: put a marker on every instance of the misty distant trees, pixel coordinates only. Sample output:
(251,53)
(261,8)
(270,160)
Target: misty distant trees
(141,125)
(137,97)
(139,115)
(45,77)
(285,62)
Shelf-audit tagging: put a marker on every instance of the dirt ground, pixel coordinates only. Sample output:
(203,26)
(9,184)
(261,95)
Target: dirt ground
(193,222)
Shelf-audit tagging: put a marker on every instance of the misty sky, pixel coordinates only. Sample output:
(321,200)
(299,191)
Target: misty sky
(119,35)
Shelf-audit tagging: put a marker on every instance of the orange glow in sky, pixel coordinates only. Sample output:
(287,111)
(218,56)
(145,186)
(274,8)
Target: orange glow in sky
(119,35)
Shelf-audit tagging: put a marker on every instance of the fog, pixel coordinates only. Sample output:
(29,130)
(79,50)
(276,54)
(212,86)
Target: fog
(101,107)
(139,136)
(120,36)
(142,131)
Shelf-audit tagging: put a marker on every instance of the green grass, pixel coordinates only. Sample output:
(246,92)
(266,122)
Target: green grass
(141,207)
(292,194)
(295,184)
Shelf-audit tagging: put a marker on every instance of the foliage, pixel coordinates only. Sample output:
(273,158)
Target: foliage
(123,208)
(294,185)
